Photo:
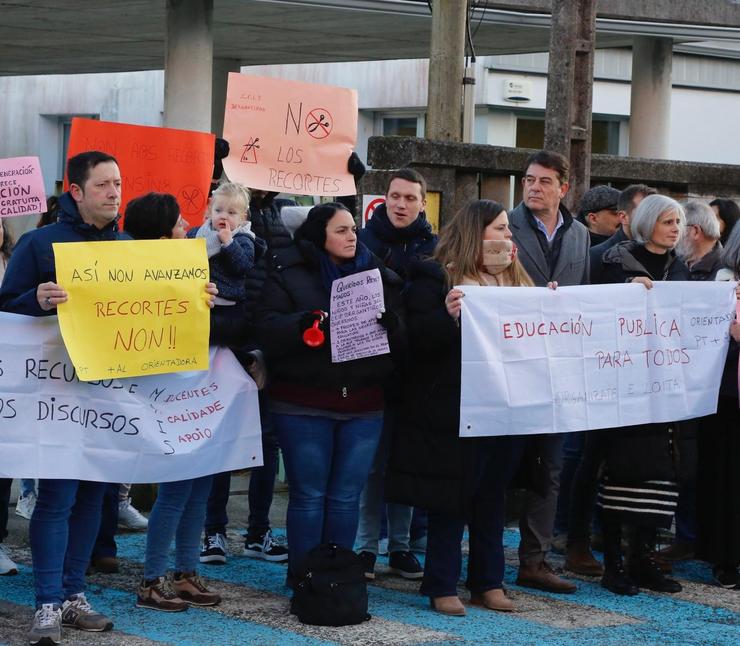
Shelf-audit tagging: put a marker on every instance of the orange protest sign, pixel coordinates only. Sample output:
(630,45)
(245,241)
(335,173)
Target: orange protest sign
(164,160)
(290,137)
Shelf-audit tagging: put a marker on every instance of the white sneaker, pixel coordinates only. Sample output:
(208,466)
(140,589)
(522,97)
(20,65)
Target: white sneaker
(130,517)
(7,567)
(47,625)
(25,505)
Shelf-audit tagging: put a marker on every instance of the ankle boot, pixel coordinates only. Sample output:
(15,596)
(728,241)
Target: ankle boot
(615,578)
(642,567)
(579,559)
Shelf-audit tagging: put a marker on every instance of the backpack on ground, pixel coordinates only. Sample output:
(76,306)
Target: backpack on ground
(330,589)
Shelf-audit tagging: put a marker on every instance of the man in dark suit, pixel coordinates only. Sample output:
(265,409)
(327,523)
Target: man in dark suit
(553,247)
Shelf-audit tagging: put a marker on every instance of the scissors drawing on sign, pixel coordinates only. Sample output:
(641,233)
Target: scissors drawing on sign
(318,123)
(249,155)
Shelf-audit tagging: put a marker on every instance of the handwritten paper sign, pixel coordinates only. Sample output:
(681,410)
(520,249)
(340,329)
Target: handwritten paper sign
(353,317)
(289,136)
(147,429)
(135,307)
(164,160)
(21,187)
(601,356)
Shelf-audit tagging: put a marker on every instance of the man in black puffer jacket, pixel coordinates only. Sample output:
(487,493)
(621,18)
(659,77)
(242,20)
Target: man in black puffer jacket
(397,232)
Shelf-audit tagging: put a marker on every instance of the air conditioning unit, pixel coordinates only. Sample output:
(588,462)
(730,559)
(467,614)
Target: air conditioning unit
(517,90)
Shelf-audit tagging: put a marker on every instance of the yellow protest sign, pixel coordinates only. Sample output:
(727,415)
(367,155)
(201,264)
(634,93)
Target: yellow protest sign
(135,307)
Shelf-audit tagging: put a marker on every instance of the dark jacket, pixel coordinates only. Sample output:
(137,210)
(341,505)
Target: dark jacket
(566,260)
(619,265)
(293,290)
(707,266)
(229,267)
(597,253)
(231,326)
(396,247)
(266,222)
(643,452)
(430,466)
(32,262)
(596,238)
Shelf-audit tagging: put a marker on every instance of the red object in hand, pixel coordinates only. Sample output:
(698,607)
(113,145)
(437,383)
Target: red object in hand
(314,337)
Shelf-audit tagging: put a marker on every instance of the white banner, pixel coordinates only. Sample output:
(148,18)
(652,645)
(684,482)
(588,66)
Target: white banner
(600,356)
(158,428)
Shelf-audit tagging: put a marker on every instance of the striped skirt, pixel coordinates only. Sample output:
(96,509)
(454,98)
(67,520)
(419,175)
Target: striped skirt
(650,503)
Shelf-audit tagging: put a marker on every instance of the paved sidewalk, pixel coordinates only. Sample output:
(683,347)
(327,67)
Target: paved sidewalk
(255,607)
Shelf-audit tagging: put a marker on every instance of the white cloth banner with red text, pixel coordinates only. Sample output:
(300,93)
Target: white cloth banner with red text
(157,428)
(536,360)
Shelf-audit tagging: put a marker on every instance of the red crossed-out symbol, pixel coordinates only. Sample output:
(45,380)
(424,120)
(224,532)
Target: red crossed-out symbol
(191,199)
(370,209)
(319,123)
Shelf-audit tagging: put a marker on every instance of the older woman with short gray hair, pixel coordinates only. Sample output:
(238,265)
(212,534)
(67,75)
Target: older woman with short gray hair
(639,487)
(657,225)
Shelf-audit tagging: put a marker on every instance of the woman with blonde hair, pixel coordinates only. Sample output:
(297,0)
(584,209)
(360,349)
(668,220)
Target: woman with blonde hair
(458,480)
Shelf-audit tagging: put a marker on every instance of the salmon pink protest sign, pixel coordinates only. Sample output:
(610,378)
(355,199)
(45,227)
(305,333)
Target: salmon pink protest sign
(21,187)
(164,160)
(289,136)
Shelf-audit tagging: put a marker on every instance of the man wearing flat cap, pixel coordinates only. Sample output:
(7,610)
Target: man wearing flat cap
(599,213)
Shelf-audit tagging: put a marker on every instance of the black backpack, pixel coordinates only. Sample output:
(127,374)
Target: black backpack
(330,588)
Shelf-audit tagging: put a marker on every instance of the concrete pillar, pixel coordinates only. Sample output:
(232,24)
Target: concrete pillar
(650,103)
(570,89)
(221,69)
(446,65)
(188,64)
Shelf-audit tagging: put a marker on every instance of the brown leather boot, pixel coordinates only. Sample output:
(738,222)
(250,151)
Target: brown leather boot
(541,576)
(579,559)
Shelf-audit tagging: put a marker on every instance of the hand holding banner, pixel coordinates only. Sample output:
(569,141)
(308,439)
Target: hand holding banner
(135,307)
(289,136)
(21,187)
(597,356)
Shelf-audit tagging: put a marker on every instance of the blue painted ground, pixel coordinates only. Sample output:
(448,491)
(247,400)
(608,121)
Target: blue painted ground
(653,619)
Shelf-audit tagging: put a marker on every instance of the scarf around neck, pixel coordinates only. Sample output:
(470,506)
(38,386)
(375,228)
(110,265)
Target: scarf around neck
(330,270)
(213,244)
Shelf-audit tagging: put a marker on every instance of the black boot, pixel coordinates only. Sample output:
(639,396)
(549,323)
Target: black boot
(615,579)
(642,566)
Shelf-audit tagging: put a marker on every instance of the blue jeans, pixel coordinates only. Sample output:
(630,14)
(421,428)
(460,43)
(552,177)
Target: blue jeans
(686,513)
(327,462)
(261,485)
(497,461)
(178,513)
(5,484)
(62,532)
(28,485)
(372,504)
(105,543)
